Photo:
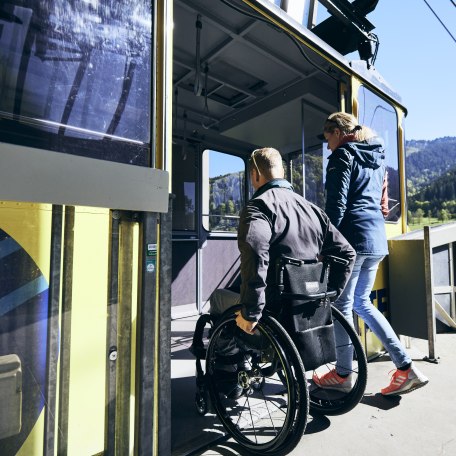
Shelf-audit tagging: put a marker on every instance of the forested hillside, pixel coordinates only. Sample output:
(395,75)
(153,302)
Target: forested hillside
(428,160)
(431,178)
(225,200)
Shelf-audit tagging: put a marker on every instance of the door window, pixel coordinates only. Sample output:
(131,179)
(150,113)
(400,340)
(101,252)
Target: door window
(223,191)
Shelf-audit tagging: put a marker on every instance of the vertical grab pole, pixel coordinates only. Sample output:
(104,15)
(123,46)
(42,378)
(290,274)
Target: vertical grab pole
(65,342)
(124,339)
(303,147)
(164,332)
(52,345)
(153,376)
(111,336)
(429,286)
(145,366)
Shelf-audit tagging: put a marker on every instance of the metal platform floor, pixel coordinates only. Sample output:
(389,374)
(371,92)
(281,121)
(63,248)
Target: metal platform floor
(422,423)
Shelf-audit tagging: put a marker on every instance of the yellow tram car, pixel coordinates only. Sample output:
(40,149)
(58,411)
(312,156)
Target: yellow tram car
(125,129)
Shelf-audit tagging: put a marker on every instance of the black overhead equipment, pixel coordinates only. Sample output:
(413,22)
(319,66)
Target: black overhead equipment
(348,30)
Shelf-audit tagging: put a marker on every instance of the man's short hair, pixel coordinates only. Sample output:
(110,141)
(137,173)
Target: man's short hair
(268,162)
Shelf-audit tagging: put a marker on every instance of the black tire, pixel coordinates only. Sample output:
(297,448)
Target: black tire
(266,413)
(330,402)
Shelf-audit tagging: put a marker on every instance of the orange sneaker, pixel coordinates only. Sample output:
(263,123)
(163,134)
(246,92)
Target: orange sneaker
(331,380)
(403,382)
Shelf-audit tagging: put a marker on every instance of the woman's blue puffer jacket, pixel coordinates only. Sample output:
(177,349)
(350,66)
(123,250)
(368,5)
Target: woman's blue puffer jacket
(354,181)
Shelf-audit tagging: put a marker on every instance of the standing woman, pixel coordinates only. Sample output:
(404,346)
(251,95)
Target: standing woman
(356,203)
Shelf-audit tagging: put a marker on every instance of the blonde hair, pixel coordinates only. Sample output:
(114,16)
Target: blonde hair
(268,162)
(348,125)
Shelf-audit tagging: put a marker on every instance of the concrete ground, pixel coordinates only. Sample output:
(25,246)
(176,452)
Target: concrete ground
(421,423)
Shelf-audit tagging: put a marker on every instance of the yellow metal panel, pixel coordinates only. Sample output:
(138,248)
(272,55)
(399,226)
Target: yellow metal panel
(88,332)
(402,177)
(33,446)
(356,84)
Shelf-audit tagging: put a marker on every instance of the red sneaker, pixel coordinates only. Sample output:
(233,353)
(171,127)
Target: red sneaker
(331,380)
(403,382)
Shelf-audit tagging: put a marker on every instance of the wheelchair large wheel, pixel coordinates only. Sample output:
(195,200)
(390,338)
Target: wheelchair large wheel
(331,402)
(257,385)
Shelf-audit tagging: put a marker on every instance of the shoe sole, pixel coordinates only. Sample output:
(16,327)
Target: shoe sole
(333,388)
(409,390)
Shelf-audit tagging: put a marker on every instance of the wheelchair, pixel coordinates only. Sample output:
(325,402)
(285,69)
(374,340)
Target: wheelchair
(260,386)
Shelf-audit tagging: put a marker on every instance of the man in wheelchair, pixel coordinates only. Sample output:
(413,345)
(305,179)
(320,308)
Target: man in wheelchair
(257,359)
(276,223)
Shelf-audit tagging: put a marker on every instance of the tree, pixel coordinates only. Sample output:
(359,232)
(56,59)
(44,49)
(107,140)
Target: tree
(444,215)
(409,216)
(230,208)
(419,215)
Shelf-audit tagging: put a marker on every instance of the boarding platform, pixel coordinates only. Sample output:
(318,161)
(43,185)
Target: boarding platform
(420,423)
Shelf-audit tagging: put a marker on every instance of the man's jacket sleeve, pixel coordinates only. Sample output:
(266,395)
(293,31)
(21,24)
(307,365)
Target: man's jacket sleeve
(335,244)
(254,237)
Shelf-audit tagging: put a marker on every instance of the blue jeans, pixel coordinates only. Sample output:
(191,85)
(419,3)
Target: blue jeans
(356,297)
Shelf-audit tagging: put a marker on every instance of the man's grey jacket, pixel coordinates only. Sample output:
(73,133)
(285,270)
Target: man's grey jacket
(278,221)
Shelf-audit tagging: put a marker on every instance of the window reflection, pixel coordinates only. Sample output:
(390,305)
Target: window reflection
(223,190)
(379,115)
(75,77)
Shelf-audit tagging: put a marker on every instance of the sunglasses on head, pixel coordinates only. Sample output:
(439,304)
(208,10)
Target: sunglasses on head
(254,162)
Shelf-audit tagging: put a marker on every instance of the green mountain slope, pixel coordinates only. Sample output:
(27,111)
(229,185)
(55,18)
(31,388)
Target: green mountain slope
(427,161)
(431,177)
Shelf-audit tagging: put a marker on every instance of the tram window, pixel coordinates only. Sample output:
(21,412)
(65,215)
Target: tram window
(223,191)
(75,77)
(381,116)
(184,187)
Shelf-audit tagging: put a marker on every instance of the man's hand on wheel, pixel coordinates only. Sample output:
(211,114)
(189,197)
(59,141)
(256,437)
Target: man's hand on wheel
(246,325)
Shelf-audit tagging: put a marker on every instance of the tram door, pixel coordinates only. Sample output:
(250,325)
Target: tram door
(185,239)
(209,192)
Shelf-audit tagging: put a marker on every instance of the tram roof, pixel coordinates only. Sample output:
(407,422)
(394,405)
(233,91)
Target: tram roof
(357,68)
(247,76)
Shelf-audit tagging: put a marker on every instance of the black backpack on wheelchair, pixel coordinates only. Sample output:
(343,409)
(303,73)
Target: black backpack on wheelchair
(306,309)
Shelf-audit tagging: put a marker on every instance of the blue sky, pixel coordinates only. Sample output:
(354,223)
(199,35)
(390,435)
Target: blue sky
(417,57)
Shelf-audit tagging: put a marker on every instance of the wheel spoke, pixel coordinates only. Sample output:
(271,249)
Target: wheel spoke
(263,418)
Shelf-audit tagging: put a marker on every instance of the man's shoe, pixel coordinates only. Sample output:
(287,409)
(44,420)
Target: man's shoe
(333,381)
(403,382)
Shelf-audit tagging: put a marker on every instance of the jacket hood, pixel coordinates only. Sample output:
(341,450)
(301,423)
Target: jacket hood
(369,153)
